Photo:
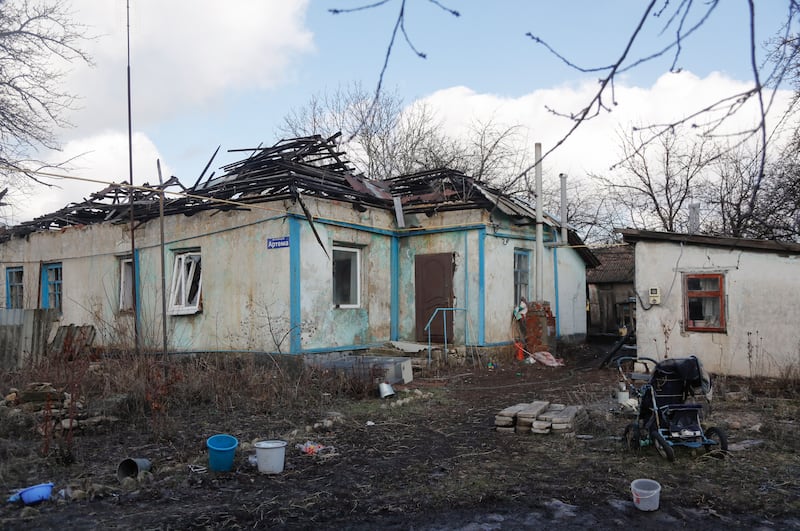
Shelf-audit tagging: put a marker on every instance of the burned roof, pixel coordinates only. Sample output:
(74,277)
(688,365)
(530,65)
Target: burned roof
(311,166)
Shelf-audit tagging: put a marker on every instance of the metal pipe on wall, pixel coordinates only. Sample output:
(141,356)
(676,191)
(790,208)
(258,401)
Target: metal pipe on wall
(163,264)
(539,288)
(564,234)
(131,195)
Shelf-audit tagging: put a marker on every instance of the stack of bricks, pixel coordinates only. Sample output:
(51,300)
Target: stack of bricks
(540,417)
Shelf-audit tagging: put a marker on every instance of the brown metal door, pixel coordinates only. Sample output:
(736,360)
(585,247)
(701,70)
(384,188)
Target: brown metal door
(433,278)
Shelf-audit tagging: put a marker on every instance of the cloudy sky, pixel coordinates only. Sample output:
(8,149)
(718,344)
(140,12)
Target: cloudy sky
(207,73)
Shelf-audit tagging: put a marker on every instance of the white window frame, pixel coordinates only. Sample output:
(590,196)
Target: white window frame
(183,278)
(126,285)
(353,276)
(522,277)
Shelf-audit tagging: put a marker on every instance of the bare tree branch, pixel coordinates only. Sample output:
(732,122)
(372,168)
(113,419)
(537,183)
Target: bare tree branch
(32,99)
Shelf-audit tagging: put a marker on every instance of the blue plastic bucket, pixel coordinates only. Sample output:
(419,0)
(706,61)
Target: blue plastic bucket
(221,450)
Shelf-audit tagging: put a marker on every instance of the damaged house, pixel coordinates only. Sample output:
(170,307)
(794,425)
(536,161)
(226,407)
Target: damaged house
(289,250)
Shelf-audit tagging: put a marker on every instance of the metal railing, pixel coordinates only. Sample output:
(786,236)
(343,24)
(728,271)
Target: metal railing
(444,321)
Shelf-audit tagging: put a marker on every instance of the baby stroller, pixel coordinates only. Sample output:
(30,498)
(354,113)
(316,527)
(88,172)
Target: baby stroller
(665,417)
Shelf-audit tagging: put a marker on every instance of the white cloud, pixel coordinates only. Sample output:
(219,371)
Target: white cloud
(184,55)
(95,161)
(593,148)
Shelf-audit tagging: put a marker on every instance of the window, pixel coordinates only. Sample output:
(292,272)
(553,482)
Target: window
(14,288)
(704,302)
(187,283)
(346,277)
(522,274)
(126,285)
(51,286)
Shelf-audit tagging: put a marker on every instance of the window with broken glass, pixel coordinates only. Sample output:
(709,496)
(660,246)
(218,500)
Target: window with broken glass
(346,277)
(187,284)
(126,285)
(704,302)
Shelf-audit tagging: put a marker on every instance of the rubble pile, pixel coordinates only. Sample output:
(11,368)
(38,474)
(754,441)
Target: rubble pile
(53,411)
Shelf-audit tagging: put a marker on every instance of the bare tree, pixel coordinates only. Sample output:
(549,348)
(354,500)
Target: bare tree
(382,138)
(386,139)
(591,214)
(653,183)
(34,35)
(680,20)
(742,201)
(495,153)
(731,194)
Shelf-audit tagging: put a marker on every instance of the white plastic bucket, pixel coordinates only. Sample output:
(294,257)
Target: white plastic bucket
(646,493)
(385,390)
(270,456)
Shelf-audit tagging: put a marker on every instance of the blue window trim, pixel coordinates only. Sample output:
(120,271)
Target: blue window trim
(9,284)
(52,288)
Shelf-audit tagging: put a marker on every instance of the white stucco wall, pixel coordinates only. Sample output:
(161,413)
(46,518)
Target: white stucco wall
(762,312)
(246,286)
(571,296)
(456,234)
(246,290)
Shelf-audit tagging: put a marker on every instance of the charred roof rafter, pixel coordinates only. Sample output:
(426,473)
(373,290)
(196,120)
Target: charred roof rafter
(310,166)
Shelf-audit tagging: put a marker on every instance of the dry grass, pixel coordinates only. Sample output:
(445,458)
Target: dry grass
(435,453)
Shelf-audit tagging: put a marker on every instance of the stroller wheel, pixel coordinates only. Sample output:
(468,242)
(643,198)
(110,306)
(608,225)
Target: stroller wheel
(718,436)
(663,447)
(633,438)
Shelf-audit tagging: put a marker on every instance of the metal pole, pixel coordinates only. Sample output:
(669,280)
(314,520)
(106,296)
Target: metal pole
(564,234)
(539,291)
(163,265)
(131,194)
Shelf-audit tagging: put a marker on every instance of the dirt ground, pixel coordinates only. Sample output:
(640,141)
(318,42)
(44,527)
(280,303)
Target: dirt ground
(433,462)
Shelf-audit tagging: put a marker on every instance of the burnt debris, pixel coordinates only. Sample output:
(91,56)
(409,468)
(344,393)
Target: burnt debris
(310,166)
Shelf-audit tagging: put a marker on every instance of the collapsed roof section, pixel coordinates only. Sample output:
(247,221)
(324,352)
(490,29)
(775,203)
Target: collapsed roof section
(310,166)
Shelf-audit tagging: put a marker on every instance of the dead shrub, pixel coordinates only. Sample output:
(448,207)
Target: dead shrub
(150,389)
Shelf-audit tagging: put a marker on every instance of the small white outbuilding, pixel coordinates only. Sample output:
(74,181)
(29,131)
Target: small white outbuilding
(732,302)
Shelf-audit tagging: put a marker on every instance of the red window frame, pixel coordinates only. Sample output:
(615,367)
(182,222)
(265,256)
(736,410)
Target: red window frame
(718,294)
